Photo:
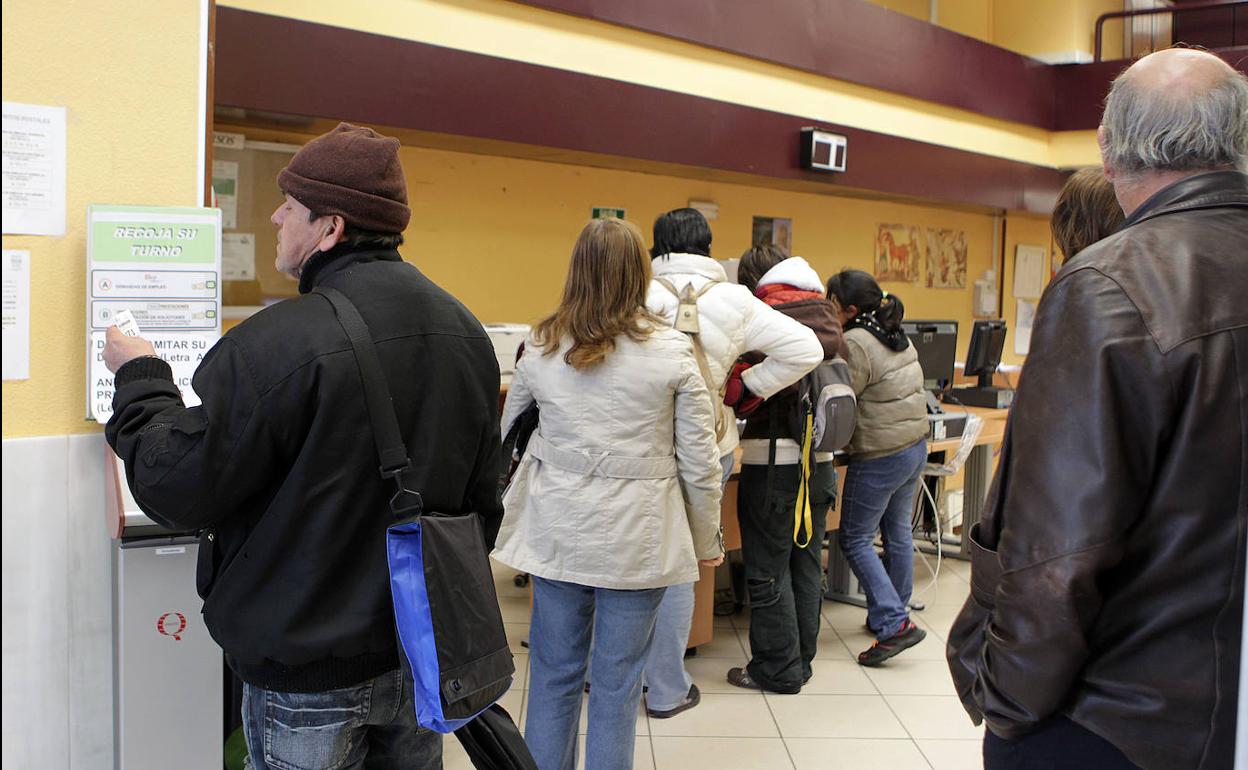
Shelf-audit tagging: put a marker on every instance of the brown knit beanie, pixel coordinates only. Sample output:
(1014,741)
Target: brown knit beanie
(353,172)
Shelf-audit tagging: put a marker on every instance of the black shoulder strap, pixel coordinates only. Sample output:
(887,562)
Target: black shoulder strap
(389,440)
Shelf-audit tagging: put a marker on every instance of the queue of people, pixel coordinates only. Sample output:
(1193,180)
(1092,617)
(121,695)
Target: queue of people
(1104,625)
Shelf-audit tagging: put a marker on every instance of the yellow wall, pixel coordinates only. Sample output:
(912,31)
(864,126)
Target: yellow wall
(972,18)
(1030,27)
(129,74)
(497,232)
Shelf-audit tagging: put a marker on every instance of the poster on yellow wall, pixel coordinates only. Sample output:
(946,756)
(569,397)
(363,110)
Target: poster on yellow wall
(163,265)
(897,249)
(946,259)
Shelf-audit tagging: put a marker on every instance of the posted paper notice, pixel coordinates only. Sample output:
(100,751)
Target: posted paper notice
(1028,271)
(16,315)
(238,256)
(225,185)
(1025,318)
(34,169)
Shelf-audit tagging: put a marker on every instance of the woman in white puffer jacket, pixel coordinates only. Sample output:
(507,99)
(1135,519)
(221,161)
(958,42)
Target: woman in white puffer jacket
(616,498)
(731,321)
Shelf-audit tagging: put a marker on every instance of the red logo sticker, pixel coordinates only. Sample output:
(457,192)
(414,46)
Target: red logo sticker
(167,626)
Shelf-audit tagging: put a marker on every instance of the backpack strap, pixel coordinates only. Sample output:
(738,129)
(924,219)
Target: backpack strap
(689,297)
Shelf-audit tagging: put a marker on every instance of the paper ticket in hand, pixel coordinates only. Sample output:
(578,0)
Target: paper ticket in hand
(124,320)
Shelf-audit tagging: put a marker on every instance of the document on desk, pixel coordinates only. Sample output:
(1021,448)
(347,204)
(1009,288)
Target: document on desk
(1024,319)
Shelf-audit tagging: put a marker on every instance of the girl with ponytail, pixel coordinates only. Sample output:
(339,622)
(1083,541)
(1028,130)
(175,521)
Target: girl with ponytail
(887,455)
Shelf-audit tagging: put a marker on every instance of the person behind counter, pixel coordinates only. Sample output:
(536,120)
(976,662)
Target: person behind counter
(731,321)
(784,579)
(1086,212)
(887,455)
(616,498)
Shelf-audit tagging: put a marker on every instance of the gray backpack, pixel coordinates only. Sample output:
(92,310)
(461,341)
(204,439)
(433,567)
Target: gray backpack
(826,397)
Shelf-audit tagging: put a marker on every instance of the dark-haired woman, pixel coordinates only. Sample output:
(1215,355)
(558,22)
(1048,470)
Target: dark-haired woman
(617,496)
(887,455)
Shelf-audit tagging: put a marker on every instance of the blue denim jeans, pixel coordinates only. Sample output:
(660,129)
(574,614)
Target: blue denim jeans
(666,679)
(368,726)
(567,617)
(879,496)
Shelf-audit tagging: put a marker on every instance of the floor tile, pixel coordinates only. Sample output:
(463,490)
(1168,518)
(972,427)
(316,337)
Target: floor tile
(838,677)
(517,633)
(912,676)
(855,754)
(711,674)
(723,644)
(834,716)
(953,755)
(682,753)
(934,716)
(939,618)
(727,716)
(515,609)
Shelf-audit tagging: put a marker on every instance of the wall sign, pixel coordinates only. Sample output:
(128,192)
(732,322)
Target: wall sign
(162,264)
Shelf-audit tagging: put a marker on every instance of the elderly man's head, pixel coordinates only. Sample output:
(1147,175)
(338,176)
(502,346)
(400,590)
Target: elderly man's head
(1174,112)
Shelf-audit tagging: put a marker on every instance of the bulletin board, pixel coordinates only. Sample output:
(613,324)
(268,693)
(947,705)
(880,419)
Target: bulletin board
(256,197)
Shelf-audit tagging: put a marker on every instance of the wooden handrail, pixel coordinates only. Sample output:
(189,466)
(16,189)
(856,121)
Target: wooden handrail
(1233,6)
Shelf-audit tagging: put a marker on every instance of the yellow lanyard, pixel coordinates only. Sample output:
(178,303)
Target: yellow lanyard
(801,511)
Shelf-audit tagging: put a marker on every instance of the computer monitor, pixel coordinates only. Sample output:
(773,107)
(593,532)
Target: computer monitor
(983,356)
(936,342)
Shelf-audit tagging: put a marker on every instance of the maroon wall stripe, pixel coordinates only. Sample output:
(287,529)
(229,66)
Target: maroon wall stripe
(851,40)
(282,65)
(864,43)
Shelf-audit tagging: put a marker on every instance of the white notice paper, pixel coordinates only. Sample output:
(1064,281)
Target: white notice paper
(16,315)
(1028,271)
(225,185)
(1024,320)
(34,169)
(238,256)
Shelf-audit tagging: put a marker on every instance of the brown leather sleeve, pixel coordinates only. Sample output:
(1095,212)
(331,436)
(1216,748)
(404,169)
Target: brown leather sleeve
(1084,437)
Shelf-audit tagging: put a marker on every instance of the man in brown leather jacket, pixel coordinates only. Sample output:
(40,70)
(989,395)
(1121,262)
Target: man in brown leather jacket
(1104,626)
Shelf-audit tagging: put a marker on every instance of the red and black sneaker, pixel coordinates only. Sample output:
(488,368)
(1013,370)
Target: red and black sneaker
(883,649)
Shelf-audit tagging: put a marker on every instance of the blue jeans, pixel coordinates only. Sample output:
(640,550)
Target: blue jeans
(666,679)
(879,496)
(371,725)
(569,622)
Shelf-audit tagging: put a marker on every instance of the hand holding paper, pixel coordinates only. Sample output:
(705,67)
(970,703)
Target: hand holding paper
(120,349)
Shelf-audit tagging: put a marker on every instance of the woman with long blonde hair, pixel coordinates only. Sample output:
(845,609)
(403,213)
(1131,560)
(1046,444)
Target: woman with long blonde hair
(616,498)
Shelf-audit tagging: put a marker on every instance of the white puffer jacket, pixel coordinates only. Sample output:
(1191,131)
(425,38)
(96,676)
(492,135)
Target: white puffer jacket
(733,321)
(620,485)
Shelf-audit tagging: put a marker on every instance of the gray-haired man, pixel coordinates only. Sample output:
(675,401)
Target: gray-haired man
(1104,625)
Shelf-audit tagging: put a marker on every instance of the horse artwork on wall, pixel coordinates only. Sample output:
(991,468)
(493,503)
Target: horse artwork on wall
(897,250)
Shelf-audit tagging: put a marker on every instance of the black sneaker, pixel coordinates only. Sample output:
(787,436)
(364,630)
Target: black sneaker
(739,677)
(883,649)
(692,699)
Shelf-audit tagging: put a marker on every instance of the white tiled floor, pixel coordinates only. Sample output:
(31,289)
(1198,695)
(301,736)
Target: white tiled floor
(901,716)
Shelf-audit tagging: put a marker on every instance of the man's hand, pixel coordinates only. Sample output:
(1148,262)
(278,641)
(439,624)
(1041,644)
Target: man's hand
(718,560)
(120,349)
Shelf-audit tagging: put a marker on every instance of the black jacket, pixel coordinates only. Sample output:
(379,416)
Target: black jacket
(278,468)
(1120,504)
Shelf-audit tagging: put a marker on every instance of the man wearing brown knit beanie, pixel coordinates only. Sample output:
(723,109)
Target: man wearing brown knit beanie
(279,472)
